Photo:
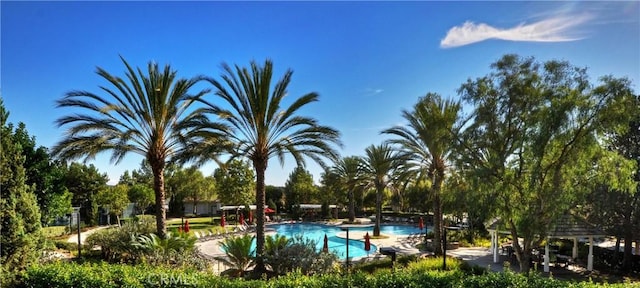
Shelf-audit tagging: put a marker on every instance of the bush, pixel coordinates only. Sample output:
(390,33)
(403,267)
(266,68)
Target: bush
(177,250)
(115,242)
(299,254)
(239,255)
(99,275)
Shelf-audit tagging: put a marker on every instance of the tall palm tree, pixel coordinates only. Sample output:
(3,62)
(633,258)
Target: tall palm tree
(379,170)
(145,114)
(263,129)
(428,138)
(348,169)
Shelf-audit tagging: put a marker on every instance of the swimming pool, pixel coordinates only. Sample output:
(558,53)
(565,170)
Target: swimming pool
(316,233)
(337,245)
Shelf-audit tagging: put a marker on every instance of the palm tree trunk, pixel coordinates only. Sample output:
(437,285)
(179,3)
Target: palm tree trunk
(158,187)
(376,228)
(352,208)
(437,225)
(260,167)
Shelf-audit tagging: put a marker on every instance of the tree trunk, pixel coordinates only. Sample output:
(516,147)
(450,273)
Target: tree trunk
(616,253)
(379,190)
(158,187)
(260,167)
(628,242)
(195,206)
(352,208)
(523,254)
(437,225)
(437,211)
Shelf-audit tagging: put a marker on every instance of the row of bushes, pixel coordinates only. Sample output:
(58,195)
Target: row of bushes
(414,275)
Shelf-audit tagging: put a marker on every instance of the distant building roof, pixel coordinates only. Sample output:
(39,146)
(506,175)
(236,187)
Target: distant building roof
(315,206)
(567,226)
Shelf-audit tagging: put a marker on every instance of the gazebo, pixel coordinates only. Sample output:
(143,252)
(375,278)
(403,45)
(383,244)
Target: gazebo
(568,226)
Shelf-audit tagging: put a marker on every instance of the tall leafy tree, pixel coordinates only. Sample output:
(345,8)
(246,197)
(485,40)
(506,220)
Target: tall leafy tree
(45,175)
(115,199)
(142,195)
(274,197)
(300,188)
(331,191)
(235,183)
(263,128)
(379,170)
(21,231)
(349,172)
(428,139)
(146,114)
(85,183)
(618,211)
(535,141)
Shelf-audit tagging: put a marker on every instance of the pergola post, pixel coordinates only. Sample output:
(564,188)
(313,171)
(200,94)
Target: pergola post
(494,243)
(590,257)
(546,256)
(575,248)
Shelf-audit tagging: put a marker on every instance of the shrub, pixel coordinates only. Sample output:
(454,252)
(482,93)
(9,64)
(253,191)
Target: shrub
(115,242)
(177,250)
(239,255)
(299,254)
(98,275)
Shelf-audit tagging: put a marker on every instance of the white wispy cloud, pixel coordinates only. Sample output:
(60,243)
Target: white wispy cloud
(371,92)
(553,29)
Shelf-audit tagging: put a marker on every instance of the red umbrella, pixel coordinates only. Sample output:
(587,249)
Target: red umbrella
(325,248)
(241,219)
(222,221)
(367,242)
(186,226)
(421,223)
(269,210)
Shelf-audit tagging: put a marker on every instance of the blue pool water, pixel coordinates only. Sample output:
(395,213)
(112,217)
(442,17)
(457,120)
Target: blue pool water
(316,232)
(337,245)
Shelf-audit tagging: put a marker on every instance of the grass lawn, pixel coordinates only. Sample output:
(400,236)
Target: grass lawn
(53,231)
(196,224)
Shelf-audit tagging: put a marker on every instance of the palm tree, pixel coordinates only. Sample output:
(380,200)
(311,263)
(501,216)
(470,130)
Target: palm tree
(348,169)
(379,170)
(239,254)
(262,129)
(144,114)
(428,139)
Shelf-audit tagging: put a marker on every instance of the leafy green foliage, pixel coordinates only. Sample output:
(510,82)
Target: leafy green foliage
(142,195)
(235,183)
(191,184)
(85,182)
(68,275)
(115,199)
(380,167)
(297,254)
(115,242)
(534,144)
(300,188)
(21,233)
(239,254)
(262,127)
(45,176)
(146,114)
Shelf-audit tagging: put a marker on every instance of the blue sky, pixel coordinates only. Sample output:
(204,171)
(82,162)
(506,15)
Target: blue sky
(367,60)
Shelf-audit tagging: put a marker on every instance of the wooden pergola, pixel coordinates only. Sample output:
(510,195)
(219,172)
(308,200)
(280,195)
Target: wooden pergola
(568,226)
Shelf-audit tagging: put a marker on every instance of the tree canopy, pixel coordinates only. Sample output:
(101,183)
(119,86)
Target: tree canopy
(534,140)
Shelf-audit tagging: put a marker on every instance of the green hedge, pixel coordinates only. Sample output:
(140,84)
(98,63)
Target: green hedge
(63,275)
